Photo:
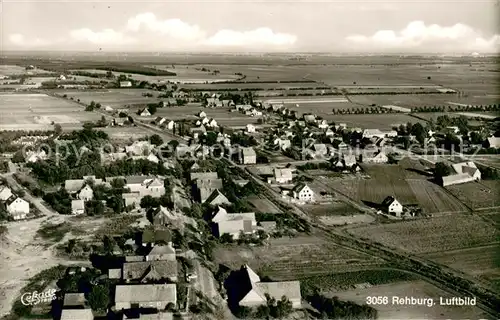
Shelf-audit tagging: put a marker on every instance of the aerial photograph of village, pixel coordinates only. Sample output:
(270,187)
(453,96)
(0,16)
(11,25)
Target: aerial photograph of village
(249,160)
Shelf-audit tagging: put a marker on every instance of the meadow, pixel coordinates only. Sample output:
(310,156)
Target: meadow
(478,195)
(115,98)
(40,111)
(429,235)
(373,121)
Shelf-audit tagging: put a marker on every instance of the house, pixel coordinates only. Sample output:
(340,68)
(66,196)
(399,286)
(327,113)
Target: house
(303,192)
(255,113)
(18,208)
(283,143)
(74,300)
(283,175)
(144,112)
(156,296)
(153,158)
(349,160)
(378,157)
(234,223)
(33,156)
(161,216)
(376,133)
(329,133)
(250,128)
(309,117)
(161,253)
(125,84)
(77,314)
(77,207)
(108,109)
(202,114)
(205,188)
(214,102)
(145,186)
(493,142)
(131,199)
(453,129)
(320,150)
(217,198)
(139,148)
(254,293)
(86,193)
(170,125)
(160,120)
(248,156)
(392,206)
(323,124)
(149,271)
(5,193)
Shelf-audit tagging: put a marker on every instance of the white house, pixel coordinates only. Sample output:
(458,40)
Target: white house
(234,223)
(77,207)
(303,193)
(5,193)
(32,156)
(323,124)
(283,175)
(379,157)
(464,172)
(170,125)
(86,193)
(108,109)
(248,156)
(125,84)
(144,113)
(202,114)
(250,128)
(17,207)
(392,206)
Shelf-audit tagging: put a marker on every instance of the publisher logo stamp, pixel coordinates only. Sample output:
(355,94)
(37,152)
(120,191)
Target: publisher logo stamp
(34,298)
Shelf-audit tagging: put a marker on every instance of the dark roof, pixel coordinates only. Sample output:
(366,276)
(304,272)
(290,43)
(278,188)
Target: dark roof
(150,235)
(149,270)
(387,201)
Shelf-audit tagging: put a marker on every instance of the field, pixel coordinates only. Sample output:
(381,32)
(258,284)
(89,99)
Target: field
(291,258)
(433,198)
(7,70)
(115,98)
(433,234)
(39,111)
(189,74)
(402,100)
(263,72)
(478,195)
(373,121)
(416,289)
(124,133)
(469,260)
(263,205)
(258,86)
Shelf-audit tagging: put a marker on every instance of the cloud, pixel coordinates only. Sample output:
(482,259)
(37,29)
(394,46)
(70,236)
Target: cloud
(417,35)
(257,37)
(145,30)
(174,28)
(21,41)
(106,36)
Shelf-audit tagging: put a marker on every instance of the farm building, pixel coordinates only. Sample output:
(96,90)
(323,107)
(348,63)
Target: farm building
(218,198)
(250,128)
(464,172)
(234,223)
(144,112)
(378,157)
(254,293)
(303,192)
(156,296)
(376,133)
(392,206)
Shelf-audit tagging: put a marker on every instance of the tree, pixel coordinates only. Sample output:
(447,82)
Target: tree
(226,238)
(441,170)
(57,128)
(156,140)
(283,308)
(99,298)
(419,132)
(149,202)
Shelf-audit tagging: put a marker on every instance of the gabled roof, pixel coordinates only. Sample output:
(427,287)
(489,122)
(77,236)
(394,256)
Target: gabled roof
(299,187)
(137,179)
(74,299)
(248,152)
(204,176)
(157,270)
(161,250)
(284,173)
(146,293)
(388,201)
(77,314)
(219,196)
(74,185)
(150,235)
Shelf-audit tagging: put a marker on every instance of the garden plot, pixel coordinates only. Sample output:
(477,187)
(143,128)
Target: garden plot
(291,258)
(478,195)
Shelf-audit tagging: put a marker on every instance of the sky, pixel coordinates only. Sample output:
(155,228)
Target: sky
(402,26)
